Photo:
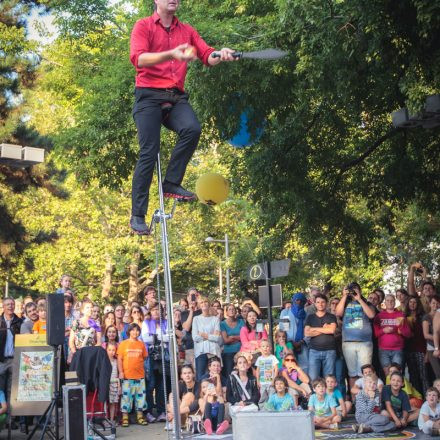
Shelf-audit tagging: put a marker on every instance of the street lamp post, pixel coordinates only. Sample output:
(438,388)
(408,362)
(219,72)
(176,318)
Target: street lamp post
(226,241)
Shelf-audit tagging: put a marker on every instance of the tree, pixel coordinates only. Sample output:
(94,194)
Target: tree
(329,178)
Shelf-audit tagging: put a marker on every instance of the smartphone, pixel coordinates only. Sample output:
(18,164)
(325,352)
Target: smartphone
(284,325)
(193,297)
(259,327)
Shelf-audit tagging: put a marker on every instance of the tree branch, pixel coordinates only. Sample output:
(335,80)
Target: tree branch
(348,165)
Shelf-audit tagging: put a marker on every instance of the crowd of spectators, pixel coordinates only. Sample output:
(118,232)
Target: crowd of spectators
(332,355)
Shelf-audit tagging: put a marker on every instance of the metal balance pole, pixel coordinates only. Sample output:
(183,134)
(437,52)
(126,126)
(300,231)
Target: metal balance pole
(228,271)
(162,217)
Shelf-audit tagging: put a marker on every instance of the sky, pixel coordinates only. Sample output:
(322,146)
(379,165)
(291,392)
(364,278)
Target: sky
(37,22)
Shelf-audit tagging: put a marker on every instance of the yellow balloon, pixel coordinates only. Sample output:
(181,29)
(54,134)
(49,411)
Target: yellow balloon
(212,189)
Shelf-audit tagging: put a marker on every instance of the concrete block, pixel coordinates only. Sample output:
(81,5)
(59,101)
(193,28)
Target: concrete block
(297,425)
(9,151)
(32,156)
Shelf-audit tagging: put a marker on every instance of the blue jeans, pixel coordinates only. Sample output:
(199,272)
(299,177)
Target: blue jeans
(201,365)
(386,357)
(321,361)
(302,357)
(340,373)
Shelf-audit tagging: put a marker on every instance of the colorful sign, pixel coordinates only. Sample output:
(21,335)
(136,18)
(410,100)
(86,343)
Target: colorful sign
(35,376)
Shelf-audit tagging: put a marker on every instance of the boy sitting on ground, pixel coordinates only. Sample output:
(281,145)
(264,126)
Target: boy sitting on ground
(397,402)
(415,398)
(343,407)
(429,416)
(323,406)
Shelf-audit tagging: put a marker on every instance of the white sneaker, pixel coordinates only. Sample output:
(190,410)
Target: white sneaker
(168,426)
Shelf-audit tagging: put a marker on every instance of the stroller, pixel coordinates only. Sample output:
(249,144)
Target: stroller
(99,427)
(93,369)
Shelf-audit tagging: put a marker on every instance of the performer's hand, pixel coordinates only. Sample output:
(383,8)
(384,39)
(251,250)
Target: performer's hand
(226,55)
(184,52)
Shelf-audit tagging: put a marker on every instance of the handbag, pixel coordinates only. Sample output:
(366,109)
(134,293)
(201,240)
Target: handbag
(194,423)
(234,409)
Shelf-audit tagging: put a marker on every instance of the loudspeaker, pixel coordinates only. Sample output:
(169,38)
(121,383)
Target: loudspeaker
(74,408)
(55,323)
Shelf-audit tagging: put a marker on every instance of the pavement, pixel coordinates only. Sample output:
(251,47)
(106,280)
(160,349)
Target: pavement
(156,431)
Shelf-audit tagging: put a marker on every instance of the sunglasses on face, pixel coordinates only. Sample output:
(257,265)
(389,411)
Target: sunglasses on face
(289,360)
(135,312)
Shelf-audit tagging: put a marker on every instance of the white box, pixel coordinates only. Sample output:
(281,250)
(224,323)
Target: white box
(9,151)
(253,425)
(32,156)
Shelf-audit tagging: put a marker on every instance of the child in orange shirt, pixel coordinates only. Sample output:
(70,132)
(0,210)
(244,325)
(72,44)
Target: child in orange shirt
(39,327)
(131,356)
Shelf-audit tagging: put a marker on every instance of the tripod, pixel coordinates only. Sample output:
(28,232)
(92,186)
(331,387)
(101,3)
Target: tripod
(52,432)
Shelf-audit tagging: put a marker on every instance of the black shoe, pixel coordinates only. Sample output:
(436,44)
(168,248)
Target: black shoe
(138,225)
(177,192)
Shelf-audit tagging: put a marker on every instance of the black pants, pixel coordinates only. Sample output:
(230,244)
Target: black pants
(148,116)
(228,363)
(215,421)
(155,389)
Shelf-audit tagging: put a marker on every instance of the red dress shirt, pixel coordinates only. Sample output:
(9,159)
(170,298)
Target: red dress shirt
(149,35)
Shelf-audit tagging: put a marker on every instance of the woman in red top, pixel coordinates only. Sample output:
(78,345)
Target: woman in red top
(391,328)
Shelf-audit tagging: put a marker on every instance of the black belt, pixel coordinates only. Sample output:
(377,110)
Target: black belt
(8,357)
(173,90)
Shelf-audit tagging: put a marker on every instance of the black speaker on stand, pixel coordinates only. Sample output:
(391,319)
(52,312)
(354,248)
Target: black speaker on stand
(55,329)
(55,322)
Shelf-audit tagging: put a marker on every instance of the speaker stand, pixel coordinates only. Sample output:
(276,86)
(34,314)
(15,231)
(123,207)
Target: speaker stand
(52,432)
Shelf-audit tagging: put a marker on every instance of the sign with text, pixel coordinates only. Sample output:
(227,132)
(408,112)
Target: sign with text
(32,375)
(278,268)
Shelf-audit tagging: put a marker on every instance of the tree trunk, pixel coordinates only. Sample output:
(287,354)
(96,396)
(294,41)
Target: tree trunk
(107,283)
(150,278)
(133,280)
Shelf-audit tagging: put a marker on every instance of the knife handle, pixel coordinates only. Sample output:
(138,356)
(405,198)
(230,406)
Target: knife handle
(235,54)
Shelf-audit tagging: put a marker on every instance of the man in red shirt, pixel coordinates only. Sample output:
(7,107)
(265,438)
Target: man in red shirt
(160,48)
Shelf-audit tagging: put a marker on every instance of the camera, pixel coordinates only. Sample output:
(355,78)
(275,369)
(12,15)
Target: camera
(193,297)
(351,292)
(350,288)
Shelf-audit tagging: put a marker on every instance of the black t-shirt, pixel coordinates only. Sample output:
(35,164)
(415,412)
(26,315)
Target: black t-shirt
(183,389)
(188,340)
(321,342)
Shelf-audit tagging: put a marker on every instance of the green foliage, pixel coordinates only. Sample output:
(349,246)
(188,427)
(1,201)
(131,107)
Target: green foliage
(330,184)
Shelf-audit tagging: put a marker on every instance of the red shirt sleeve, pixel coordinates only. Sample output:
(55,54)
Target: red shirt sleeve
(139,41)
(203,50)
